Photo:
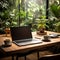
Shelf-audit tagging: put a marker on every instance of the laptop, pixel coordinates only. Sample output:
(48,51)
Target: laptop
(23,36)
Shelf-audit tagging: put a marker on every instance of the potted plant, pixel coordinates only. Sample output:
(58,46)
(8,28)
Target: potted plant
(41,26)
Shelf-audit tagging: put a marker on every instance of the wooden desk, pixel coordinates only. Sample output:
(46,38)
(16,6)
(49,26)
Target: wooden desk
(17,49)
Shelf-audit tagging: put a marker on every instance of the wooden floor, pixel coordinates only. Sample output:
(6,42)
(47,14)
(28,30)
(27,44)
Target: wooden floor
(31,56)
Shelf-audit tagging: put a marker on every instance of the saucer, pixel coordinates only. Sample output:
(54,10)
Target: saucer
(6,45)
(46,40)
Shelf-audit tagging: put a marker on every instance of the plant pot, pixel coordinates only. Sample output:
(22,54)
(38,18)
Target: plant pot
(7,31)
(42,30)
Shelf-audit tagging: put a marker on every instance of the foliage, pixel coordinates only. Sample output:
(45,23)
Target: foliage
(55,8)
(41,24)
(58,27)
(21,12)
(51,24)
(33,11)
(5,12)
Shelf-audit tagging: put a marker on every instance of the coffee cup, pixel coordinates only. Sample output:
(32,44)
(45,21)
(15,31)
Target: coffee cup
(7,42)
(46,37)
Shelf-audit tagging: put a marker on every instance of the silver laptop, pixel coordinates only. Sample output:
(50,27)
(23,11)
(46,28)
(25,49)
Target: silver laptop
(23,36)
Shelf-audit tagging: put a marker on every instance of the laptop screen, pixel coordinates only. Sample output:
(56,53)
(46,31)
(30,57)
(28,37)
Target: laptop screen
(18,33)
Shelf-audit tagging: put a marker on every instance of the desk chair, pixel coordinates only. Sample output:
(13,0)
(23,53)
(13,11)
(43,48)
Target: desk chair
(51,57)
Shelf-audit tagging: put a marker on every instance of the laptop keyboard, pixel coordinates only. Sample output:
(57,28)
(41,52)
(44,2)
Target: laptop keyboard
(34,41)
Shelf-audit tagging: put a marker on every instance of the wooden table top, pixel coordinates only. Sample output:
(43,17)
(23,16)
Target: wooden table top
(14,48)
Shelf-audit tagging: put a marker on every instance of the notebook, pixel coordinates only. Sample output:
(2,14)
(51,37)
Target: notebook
(23,36)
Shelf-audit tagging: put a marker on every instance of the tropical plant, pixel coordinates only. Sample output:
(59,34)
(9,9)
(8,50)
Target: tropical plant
(6,20)
(55,8)
(41,26)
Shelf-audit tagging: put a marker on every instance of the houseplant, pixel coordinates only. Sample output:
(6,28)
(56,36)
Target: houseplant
(41,26)
(55,9)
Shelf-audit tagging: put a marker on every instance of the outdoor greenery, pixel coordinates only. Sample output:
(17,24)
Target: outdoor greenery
(6,7)
(55,10)
(30,12)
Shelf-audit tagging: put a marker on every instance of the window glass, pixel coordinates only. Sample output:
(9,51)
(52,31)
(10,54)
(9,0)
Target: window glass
(21,12)
(30,11)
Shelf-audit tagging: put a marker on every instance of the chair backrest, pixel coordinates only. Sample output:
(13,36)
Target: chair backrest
(51,57)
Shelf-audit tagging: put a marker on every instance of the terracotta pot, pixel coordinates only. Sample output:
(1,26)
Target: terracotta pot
(42,30)
(7,30)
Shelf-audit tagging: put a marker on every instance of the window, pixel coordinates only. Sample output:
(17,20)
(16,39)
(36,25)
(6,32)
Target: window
(24,12)
(29,11)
